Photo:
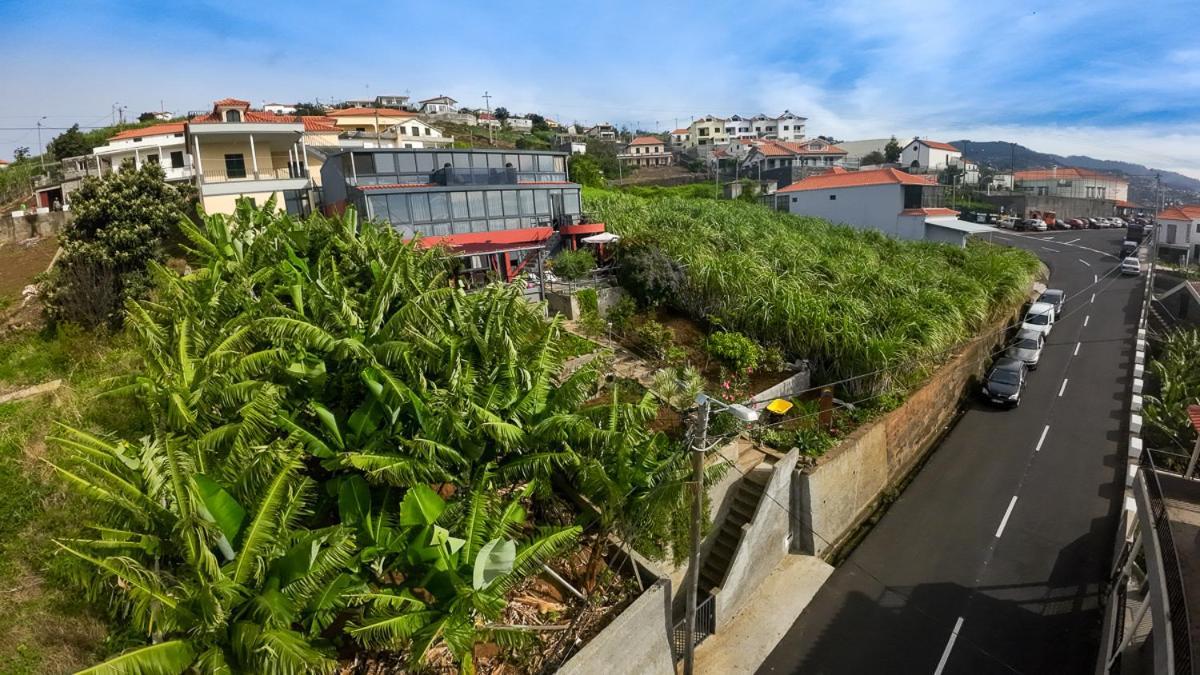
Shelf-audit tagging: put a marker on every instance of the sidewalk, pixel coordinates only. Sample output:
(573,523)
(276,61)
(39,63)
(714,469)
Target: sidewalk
(745,642)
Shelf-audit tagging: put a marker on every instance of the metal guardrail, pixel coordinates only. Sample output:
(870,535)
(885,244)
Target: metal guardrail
(1172,576)
(706,624)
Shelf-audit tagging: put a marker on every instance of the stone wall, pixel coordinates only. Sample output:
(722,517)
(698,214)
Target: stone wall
(17,228)
(763,544)
(637,641)
(845,486)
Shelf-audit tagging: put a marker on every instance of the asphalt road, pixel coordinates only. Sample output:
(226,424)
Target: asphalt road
(994,557)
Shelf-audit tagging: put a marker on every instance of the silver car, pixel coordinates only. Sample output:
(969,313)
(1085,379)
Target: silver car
(1027,348)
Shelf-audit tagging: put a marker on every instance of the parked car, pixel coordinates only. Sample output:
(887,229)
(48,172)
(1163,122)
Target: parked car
(1032,225)
(1077,224)
(1026,347)
(1131,266)
(1060,224)
(1056,297)
(1119,222)
(1004,382)
(1128,248)
(1092,223)
(1039,317)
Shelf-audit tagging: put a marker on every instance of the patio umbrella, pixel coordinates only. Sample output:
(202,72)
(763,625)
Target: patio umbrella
(602,238)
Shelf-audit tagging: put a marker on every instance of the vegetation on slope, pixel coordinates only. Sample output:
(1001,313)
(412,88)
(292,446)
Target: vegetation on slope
(857,304)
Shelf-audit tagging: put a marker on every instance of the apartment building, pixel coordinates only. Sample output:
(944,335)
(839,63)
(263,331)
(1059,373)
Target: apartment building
(496,209)
(1069,181)
(706,132)
(785,127)
(604,131)
(239,152)
(680,138)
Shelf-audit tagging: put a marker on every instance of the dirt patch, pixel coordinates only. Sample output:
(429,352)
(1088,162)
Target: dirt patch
(48,635)
(20,262)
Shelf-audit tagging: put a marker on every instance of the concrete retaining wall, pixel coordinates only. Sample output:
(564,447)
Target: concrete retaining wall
(565,303)
(17,228)
(790,387)
(763,544)
(637,641)
(1065,207)
(845,486)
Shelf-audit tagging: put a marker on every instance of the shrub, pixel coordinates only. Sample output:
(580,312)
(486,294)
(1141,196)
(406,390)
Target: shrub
(734,350)
(772,359)
(121,221)
(649,274)
(678,386)
(576,264)
(655,338)
(620,315)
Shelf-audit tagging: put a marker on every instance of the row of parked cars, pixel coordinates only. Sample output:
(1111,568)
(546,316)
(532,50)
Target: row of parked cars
(1039,224)
(1006,379)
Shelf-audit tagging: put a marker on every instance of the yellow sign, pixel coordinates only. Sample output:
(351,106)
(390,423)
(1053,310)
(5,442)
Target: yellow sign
(779,406)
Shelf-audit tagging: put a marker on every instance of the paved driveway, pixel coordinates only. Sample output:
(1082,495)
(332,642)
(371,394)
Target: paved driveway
(993,559)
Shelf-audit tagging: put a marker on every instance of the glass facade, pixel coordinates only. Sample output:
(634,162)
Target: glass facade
(440,192)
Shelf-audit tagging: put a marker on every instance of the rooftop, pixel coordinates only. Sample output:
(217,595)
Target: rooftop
(937,144)
(646,140)
(858,179)
(371,112)
(168,129)
(1065,172)
(1181,212)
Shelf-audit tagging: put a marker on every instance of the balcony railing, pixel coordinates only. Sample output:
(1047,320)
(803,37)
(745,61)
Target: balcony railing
(1181,637)
(277,173)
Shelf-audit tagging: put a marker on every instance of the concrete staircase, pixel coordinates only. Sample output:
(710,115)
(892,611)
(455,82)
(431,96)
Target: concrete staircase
(741,511)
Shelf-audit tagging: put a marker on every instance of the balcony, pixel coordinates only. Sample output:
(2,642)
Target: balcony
(220,181)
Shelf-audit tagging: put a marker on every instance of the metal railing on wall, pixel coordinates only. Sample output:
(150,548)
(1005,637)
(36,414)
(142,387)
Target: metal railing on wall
(1172,575)
(706,624)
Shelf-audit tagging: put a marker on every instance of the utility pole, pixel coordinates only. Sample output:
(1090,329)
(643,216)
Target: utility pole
(700,440)
(41,148)
(487,102)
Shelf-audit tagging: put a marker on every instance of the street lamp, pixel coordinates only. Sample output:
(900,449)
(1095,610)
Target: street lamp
(745,414)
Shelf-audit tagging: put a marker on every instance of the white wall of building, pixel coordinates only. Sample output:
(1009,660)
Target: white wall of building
(933,159)
(874,207)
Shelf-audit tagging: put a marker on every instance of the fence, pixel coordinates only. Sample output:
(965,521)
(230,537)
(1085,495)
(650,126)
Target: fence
(1172,575)
(706,624)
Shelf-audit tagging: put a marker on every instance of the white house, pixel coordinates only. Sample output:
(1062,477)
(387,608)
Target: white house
(162,144)
(410,133)
(438,105)
(1179,233)
(391,101)
(679,138)
(896,203)
(645,151)
(523,124)
(927,155)
(280,108)
(739,127)
(773,154)
(604,131)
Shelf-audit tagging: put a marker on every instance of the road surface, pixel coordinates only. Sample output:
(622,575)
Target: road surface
(994,557)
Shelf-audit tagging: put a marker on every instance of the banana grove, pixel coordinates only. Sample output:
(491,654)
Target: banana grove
(856,303)
(351,458)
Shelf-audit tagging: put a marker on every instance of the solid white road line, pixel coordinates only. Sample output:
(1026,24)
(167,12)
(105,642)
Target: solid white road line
(1085,320)
(1004,520)
(1084,262)
(1062,388)
(1072,241)
(1042,439)
(1053,250)
(1077,349)
(949,645)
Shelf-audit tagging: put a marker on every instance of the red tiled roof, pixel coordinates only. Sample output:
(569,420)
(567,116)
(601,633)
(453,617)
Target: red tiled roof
(1181,212)
(646,140)
(683,132)
(310,122)
(938,145)
(231,102)
(370,112)
(1066,172)
(152,130)
(770,148)
(929,212)
(830,181)
(388,186)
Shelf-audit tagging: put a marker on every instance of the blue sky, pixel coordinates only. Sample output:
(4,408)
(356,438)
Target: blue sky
(1115,80)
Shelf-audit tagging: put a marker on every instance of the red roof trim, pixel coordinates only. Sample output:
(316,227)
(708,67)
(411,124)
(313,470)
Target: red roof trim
(929,212)
(528,235)
(387,186)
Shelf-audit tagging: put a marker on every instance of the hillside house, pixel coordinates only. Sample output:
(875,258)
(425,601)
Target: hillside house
(438,105)
(161,144)
(928,156)
(645,151)
(773,154)
(1179,233)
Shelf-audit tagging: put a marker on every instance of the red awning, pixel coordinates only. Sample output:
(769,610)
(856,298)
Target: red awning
(477,243)
(583,228)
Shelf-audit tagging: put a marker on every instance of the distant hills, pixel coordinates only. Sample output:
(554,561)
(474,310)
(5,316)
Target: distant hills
(1001,155)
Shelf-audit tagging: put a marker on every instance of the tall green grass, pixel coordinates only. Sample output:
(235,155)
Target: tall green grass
(851,301)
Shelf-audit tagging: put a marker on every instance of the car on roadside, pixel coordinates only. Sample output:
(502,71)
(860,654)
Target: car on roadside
(1026,347)
(1128,248)
(1056,297)
(1077,224)
(1004,382)
(1032,225)
(1131,267)
(1092,223)
(1039,317)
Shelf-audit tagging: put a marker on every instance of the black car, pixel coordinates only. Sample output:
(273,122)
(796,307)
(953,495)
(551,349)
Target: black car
(1055,297)
(1004,382)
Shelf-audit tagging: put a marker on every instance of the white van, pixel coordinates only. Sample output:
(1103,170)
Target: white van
(1039,317)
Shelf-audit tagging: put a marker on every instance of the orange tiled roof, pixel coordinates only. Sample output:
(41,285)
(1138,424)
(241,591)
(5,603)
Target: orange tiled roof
(646,140)
(232,102)
(1181,212)
(830,181)
(1065,172)
(152,130)
(771,148)
(681,132)
(310,122)
(370,112)
(929,212)
(938,145)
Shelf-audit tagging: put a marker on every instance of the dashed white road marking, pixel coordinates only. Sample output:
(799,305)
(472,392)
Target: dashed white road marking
(1085,320)
(1004,520)
(949,645)
(1062,388)
(1053,250)
(1093,298)
(1077,349)
(1084,262)
(1071,242)
(1041,440)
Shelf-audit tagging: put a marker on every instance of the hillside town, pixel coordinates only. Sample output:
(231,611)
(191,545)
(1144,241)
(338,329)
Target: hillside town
(796,359)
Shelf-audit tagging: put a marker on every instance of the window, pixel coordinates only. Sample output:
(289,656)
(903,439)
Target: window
(439,206)
(833,198)
(405,163)
(526,163)
(495,161)
(235,164)
(364,163)
(233,116)
(177,159)
(424,162)
(416,131)
(428,132)
(526,199)
(385,162)
(495,207)
(360,129)
(458,206)
(785,127)
(571,201)
(153,159)
(510,203)
(420,207)
(475,204)
(398,207)
(545,162)
(377,208)
(541,204)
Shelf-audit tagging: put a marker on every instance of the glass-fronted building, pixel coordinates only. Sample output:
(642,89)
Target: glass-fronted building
(493,205)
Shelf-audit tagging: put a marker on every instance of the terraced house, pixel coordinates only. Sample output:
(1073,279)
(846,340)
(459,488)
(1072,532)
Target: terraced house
(496,209)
